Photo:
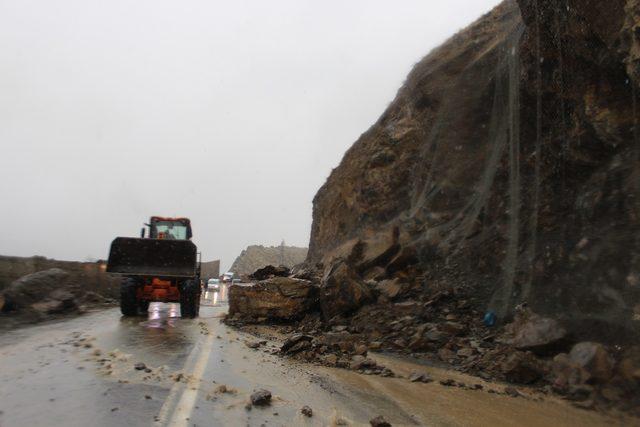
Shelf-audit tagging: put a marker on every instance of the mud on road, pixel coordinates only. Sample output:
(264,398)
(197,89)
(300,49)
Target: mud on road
(103,369)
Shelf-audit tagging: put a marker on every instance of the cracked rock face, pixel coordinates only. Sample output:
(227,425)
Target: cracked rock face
(507,163)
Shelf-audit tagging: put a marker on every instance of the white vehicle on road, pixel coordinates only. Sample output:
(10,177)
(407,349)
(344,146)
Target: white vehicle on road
(213,284)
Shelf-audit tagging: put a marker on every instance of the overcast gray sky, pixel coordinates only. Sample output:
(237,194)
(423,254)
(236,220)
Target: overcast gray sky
(231,113)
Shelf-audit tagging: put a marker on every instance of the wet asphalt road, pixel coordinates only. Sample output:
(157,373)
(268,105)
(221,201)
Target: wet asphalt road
(81,372)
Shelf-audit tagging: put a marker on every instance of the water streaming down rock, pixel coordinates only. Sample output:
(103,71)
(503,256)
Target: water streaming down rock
(506,166)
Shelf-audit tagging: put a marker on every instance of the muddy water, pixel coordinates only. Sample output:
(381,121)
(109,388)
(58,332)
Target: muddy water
(82,372)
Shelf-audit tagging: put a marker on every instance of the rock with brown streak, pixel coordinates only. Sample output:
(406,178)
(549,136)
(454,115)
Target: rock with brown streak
(278,298)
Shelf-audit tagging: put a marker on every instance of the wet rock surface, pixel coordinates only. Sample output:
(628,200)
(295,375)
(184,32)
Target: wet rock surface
(277,298)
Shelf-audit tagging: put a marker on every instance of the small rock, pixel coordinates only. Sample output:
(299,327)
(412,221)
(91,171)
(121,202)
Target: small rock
(306,411)
(360,362)
(293,341)
(361,350)
(465,352)
(261,397)
(452,328)
(420,377)
(375,345)
(329,359)
(522,368)
(379,421)
(448,382)
(140,366)
(512,391)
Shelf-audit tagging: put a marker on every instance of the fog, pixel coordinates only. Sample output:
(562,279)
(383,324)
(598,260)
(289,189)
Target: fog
(230,113)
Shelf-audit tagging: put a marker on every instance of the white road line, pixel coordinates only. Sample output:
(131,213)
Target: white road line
(198,358)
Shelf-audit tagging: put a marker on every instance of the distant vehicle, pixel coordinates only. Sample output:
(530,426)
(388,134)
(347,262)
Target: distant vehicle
(227,277)
(213,284)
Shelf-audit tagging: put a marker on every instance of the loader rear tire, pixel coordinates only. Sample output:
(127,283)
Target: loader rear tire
(128,297)
(189,299)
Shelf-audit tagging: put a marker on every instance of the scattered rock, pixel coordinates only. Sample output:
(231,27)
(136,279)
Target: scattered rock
(448,382)
(252,344)
(360,362)
(261,397)
(361,350)
(522,368)
(512,391)
(306,411)
(140,366)
(420,377)
(296,343)
(541,335)
(594,359)
(379,421)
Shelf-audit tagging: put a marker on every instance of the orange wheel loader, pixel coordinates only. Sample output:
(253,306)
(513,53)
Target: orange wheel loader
(163,267)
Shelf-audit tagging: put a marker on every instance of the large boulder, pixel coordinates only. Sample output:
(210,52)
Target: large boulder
(594,359)
(532,332)
(587,363)
(41,292)
(278,298)
(629,366)
(342,291)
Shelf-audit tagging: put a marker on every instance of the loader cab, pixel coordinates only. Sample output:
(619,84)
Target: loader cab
(169,228)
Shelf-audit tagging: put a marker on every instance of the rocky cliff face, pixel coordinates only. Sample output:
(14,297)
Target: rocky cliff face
(507,167)
(258,256)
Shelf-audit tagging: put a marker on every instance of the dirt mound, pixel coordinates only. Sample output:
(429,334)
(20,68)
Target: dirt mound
(258,256)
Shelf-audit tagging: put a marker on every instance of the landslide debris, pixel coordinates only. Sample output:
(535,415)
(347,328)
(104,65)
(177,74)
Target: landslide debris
(443,326)
(53,292)
(488,221)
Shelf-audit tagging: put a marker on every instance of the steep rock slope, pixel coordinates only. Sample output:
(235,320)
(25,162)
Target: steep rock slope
(258,256)
(507,164)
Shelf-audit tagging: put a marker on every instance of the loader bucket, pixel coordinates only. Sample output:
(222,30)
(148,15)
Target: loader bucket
(152,257)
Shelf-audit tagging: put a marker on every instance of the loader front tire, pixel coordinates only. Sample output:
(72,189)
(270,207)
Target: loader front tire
(189,299)
(144,307)
(128,297)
